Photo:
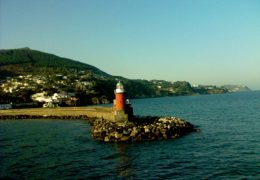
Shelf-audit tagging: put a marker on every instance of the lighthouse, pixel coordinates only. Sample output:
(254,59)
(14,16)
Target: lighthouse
(122,107)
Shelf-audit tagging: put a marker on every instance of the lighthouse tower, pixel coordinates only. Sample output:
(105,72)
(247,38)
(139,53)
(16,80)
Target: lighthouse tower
(122,108)
(120,97)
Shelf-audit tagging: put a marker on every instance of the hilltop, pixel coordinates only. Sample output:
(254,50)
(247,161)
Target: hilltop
(25,72)
(24,60)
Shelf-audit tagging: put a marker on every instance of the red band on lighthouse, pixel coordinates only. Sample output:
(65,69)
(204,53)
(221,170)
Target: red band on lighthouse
(120,101)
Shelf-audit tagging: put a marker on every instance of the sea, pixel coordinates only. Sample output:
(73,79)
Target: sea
(226,147)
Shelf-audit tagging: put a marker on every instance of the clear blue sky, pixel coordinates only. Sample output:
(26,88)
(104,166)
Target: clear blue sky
(200,41)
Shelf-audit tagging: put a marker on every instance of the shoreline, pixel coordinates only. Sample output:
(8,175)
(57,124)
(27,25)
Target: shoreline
(104,129)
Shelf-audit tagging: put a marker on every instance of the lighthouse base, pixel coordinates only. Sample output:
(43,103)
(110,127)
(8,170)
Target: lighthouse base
(123,115)
(120,116)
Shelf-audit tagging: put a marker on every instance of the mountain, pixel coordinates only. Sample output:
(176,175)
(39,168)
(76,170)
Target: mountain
(24,72)
(32,61)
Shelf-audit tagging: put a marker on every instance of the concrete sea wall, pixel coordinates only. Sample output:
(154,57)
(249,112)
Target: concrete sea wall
(58,113)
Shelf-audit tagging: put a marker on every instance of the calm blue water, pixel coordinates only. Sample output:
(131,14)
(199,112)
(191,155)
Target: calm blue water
(228,146)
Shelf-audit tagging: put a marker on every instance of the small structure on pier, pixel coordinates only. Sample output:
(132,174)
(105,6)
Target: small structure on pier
(122,107)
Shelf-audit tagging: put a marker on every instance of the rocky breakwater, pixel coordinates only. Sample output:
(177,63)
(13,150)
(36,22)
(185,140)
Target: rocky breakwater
(141,128)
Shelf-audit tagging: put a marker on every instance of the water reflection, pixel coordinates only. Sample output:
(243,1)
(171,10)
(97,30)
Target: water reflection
(124,169)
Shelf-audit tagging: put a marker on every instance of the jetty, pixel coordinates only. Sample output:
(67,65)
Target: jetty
(111,124)
(58,113)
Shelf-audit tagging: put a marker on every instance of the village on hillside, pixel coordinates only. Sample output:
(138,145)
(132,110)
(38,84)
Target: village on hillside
(68,90)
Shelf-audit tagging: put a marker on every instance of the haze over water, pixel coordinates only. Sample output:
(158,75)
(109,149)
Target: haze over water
(227,147)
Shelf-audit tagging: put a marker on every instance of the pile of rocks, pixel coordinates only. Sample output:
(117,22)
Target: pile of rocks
(145,128)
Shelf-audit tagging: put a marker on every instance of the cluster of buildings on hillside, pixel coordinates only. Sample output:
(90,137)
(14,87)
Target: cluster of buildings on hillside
(12,85)
(38,83)
(44,100)
(56,99)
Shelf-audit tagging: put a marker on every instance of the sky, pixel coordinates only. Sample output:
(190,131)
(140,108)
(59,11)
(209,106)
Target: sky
(210,42)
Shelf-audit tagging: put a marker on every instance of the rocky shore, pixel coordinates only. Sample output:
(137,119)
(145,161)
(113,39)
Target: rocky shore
(142,128)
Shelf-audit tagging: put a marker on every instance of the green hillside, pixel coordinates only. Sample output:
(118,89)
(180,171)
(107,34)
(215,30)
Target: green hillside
(25,60)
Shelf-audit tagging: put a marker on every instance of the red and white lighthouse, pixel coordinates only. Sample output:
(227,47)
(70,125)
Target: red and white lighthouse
(122,110)
(120,97)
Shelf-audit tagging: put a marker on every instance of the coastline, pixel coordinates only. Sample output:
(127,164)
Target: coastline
(104,128)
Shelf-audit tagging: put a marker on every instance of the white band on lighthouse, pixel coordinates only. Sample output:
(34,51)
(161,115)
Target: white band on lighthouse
(120,90)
